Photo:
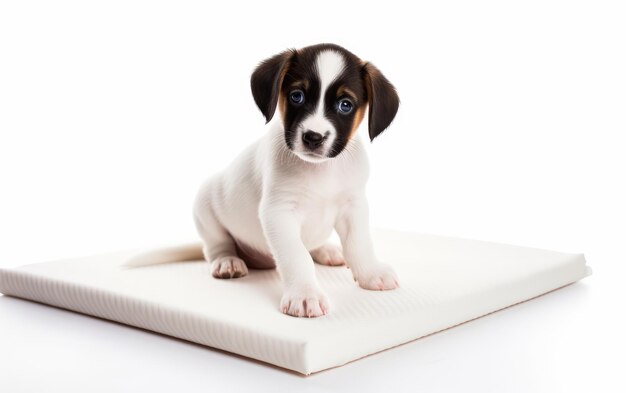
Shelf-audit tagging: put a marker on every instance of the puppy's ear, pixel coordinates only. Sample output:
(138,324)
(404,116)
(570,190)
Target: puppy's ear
(266,80)
(382,99)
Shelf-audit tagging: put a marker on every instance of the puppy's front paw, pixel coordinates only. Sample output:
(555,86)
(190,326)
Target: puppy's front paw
(328,254)
(304,302)
(378,277)
(228,267)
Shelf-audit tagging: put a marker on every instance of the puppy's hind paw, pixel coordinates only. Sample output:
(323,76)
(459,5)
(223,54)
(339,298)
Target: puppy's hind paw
(228,267)
(379,277)
(329,255)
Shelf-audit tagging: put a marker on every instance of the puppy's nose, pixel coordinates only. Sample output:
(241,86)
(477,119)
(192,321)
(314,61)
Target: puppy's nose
(312,139)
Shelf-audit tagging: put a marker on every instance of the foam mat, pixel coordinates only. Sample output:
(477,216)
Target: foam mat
(444,282)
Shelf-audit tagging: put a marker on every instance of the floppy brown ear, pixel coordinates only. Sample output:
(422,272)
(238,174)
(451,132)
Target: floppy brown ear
(266,80)
(382,99)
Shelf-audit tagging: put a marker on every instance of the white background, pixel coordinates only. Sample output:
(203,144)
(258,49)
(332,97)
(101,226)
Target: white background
(511,129)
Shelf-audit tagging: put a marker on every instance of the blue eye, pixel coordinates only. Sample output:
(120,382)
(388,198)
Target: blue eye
(297,97)
(345,106)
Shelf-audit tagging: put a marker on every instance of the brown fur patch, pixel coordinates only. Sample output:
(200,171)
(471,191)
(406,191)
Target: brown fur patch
(303,84)
(344,90)
(282,100)
(282,104)
(358,118)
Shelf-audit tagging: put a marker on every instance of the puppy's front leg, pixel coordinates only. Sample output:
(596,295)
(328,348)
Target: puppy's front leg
(353,229)
(302,296)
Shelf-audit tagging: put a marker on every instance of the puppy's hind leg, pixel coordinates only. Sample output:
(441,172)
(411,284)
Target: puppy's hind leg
(219,247)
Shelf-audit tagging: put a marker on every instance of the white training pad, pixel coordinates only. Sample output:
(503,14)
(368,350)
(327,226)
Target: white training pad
(444,282)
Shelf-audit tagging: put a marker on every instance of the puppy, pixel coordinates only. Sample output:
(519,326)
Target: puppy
(279,201)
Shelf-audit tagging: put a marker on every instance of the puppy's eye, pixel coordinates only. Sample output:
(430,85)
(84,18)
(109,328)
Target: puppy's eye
(345,106)
(296,97)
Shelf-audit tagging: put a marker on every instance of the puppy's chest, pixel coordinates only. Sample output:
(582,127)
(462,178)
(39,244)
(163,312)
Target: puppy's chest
(319,202)
(319,192)
(318,215)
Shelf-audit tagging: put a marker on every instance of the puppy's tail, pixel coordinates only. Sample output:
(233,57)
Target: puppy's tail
(187,252)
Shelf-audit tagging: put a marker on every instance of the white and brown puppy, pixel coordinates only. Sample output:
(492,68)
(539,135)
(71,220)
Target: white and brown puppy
(281,198)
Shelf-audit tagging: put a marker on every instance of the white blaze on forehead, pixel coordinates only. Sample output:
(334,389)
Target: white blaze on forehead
(329,64)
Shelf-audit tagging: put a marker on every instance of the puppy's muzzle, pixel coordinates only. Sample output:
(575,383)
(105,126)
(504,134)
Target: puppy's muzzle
(312,140)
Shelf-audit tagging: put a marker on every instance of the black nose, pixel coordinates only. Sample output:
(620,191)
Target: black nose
(312,139)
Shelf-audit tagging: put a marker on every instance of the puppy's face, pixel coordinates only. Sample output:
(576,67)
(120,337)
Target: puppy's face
(322,93)
(322,100)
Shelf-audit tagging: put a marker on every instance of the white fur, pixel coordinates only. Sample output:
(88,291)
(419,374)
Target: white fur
(329,65)
(279,204)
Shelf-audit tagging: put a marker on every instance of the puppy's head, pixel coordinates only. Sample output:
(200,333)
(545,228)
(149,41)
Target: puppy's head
(321,93)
